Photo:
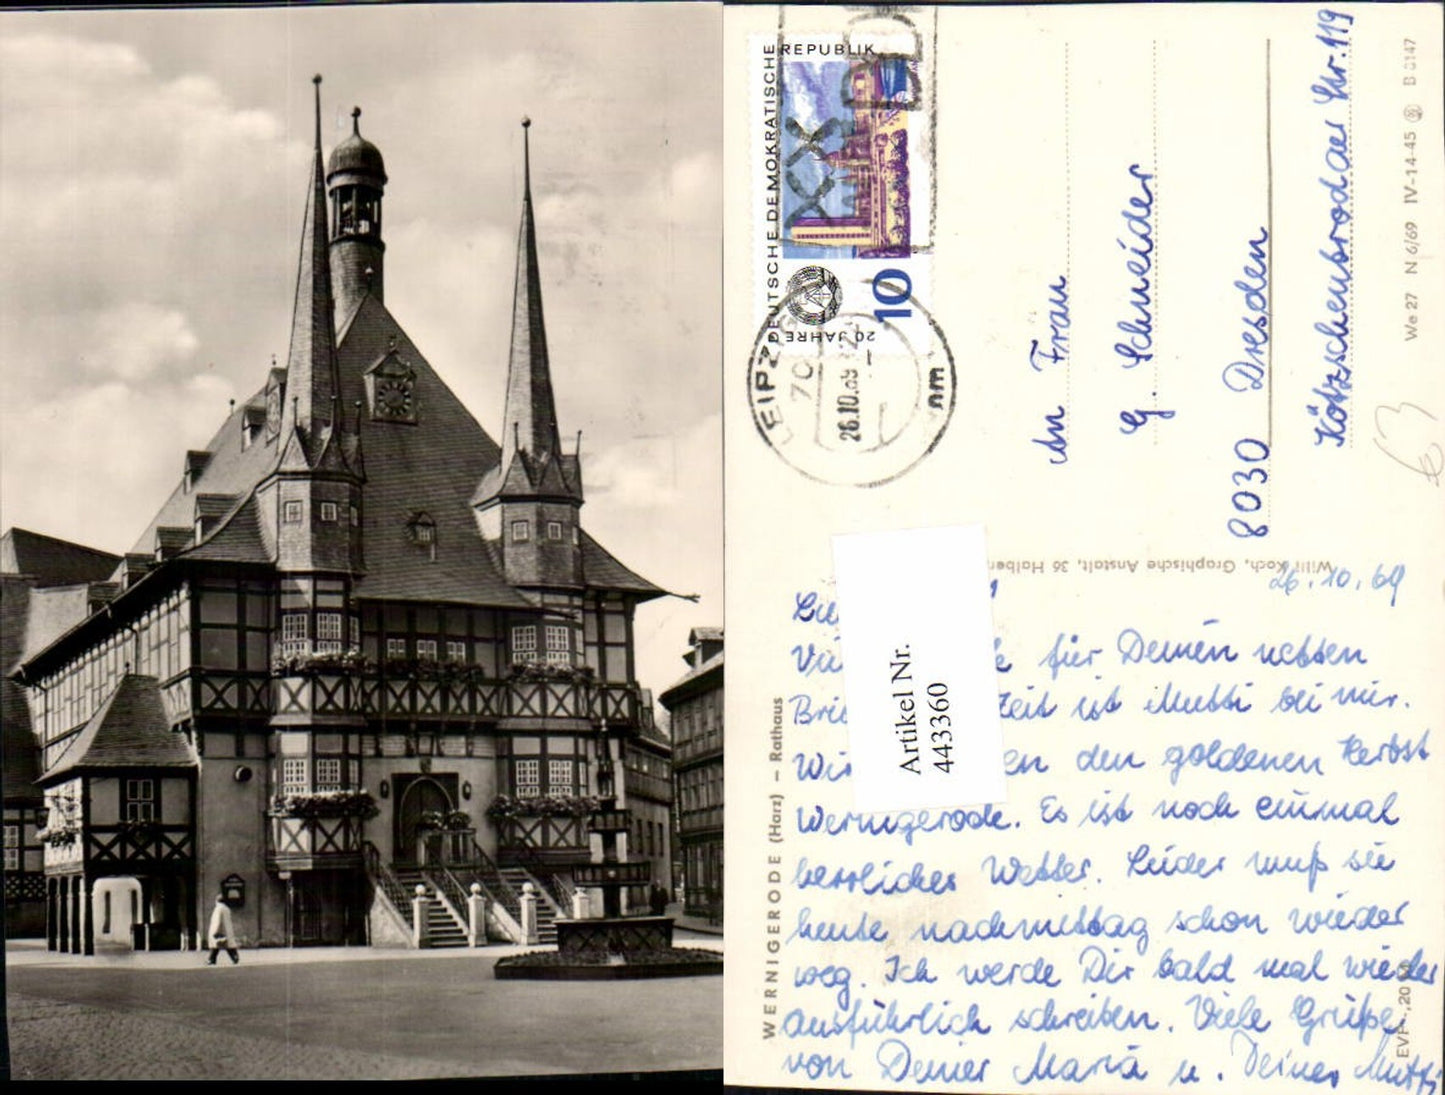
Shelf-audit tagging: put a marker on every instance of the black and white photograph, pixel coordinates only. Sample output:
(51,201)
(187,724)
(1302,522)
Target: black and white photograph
(361,569)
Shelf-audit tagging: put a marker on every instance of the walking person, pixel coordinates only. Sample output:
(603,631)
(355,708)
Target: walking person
(222,932)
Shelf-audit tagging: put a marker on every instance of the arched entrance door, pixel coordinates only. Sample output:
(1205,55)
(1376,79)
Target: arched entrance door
(420,795)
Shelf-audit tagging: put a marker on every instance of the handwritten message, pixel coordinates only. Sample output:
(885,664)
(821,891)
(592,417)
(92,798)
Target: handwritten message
(1147,333)
(1200,836)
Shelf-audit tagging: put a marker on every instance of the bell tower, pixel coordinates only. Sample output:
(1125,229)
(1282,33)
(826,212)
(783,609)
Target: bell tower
(356,180)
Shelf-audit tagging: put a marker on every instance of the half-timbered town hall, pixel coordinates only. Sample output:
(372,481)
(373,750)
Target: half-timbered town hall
(364,644)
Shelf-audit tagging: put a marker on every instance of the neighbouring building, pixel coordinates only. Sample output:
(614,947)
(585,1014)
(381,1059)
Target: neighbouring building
(361,646)
(648,761)
(46,585)
(695,706)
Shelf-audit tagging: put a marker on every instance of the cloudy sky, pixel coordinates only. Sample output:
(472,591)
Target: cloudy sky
(153,169)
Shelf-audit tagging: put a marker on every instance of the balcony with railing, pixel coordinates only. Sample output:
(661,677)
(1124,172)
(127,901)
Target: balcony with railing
(313,843)
(343,688)
(317,831)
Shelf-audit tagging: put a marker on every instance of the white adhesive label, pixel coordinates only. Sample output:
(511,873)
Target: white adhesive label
(916,628)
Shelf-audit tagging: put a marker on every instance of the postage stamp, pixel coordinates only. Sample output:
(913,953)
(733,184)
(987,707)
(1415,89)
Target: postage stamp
(850,379)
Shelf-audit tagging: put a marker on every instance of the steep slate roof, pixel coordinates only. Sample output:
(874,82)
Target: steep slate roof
(431,467)
(238,538)
(129,731)
(693,681)
(232,470)
(20,752)
(601,570)
(51,561)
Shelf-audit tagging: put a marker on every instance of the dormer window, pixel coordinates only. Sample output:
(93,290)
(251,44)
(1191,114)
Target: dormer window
(253,421)
(422,530)
(521,531)
(196,461)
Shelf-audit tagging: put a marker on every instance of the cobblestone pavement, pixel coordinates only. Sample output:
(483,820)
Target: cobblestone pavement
(341,1014)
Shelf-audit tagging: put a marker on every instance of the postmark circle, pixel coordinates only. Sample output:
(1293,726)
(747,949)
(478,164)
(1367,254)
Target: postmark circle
(858,401)
(814,295)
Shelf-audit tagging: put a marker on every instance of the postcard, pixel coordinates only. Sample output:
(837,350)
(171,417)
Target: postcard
(360,468)
(1085,425)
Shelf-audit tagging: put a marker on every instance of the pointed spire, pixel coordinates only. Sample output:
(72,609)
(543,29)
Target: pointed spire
(311,372)
(531,414)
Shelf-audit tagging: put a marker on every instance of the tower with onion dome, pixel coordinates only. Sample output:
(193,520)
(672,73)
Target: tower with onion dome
(356,180)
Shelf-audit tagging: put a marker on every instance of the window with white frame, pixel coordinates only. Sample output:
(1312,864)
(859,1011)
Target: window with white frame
(426,648)
(293,633)
(328,512)
(12,847)
(293,776)
(356,633)
(554,530)
(528,773)
(328,774)
(140,800)
(291,513)
(561,778)
(328,632)
(524,643)
(396,648)
(559,644)
(456,652)
(521,531)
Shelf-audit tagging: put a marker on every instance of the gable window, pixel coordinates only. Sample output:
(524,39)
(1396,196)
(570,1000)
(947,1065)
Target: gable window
(291,513)
(524,642)
(328,512)
(140,800)
(559,644)
(521,531)
(554,530)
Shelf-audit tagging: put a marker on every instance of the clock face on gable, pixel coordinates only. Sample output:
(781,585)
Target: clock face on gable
(393,396)
(392,384)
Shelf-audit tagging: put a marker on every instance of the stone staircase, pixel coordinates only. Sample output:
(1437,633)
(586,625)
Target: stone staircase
(546,910)
(443,929)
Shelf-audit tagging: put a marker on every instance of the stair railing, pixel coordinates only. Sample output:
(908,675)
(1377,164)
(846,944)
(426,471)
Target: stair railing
(392,890)
(553,886)
(498,888)
(390,884)
(451,891)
